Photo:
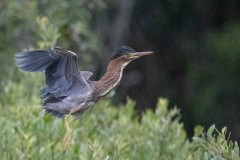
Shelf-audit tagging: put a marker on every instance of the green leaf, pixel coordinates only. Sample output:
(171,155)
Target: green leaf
(210,131)
(198,139)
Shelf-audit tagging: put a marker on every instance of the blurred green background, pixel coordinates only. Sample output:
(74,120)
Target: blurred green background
(196,43)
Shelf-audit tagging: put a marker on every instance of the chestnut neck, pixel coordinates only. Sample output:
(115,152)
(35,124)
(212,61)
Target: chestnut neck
(110,79)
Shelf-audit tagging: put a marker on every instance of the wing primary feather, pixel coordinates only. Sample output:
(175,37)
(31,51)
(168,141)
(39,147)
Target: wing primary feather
(33,61)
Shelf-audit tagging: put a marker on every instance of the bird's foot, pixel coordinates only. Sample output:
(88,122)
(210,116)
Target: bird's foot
(67,139)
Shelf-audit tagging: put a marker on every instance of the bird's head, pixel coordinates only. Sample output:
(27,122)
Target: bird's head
(128,54)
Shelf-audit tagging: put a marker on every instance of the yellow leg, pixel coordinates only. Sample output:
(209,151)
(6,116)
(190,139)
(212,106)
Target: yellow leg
(67,139)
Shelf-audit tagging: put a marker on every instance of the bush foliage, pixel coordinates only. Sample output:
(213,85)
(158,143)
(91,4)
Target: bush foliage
(103,132)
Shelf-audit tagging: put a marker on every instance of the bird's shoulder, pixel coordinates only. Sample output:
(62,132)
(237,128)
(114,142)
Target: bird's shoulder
(86,74)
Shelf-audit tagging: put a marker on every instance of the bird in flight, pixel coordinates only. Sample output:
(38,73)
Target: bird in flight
(68,90)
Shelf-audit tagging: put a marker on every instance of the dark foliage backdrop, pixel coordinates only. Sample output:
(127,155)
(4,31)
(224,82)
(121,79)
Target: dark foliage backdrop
(196,65)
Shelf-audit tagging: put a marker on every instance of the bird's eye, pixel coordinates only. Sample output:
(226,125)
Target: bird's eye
(130,54)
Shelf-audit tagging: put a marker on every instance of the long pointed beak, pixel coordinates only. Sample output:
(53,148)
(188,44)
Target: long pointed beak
(140,54)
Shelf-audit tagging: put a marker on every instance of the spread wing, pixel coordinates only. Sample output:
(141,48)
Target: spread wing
(60,67)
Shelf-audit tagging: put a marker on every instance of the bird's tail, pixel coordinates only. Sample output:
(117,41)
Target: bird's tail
(34,61)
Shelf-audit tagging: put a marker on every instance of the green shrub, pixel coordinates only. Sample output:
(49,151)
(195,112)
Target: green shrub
(103,132)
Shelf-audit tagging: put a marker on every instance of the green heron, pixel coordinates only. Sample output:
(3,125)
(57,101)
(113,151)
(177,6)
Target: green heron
(69,90)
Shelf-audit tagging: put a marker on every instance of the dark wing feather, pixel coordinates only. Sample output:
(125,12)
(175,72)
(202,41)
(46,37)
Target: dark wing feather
(60,67)
(34,61)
